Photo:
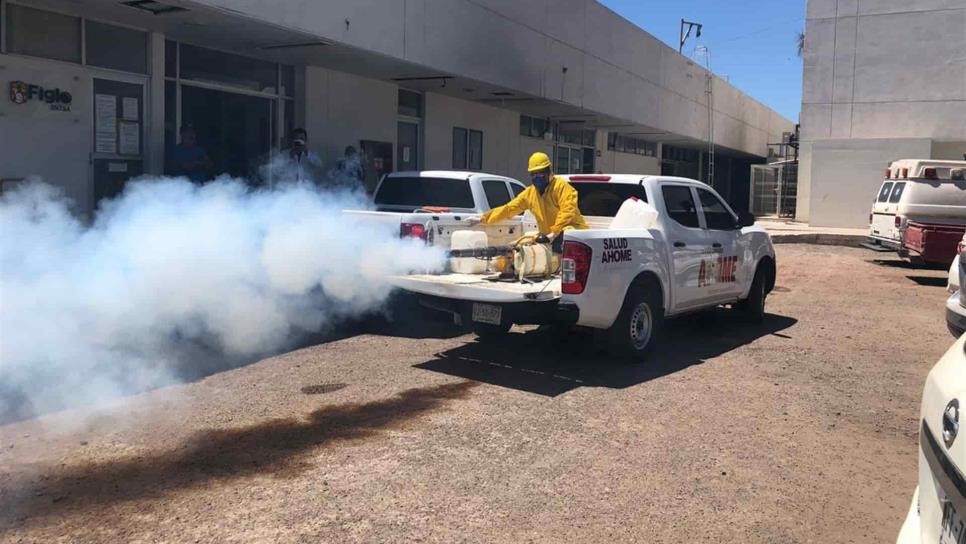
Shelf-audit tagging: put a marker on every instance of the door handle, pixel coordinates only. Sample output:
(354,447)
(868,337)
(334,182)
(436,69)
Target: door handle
(716,245)
(679,244)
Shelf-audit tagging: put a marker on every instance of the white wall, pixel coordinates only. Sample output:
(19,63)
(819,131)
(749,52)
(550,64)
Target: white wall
(35,141)
(341,109)
(844,176)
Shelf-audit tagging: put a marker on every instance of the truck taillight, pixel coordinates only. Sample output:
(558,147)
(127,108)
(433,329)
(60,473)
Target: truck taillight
(413,230)
(898,222)
(575,267)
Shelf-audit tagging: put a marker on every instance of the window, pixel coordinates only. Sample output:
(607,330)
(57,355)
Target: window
(517,189)
(170,58)
(533,127)
(885,192)
(459,148)
(288,80)
(716,214)
(680,154)
(496,192)
(897,193)
(202,64)
(410,103)
(627,144)
(413,193)
(680,205)
(604,199)
(114,47)
(467,149)
(476,150)
(577,137)
(562,164)
(44,34)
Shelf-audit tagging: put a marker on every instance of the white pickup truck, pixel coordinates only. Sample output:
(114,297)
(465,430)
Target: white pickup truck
(411,201)
(624,282)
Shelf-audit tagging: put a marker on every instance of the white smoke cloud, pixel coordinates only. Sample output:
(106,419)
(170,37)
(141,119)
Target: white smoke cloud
(171,274)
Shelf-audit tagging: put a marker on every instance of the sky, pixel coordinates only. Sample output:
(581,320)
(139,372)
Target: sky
(752,42)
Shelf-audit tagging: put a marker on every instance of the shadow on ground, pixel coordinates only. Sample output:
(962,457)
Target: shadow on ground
(279,448)
(929,281)
(907,265)
(540,362)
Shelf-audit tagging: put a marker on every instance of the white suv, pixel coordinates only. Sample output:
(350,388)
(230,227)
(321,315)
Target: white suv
(938,510)
(956,304)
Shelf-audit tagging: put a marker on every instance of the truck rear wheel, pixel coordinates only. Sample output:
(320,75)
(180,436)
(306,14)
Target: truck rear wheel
(486,332)
(637,328)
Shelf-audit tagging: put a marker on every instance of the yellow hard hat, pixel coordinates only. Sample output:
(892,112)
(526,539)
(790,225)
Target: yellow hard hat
(538,162)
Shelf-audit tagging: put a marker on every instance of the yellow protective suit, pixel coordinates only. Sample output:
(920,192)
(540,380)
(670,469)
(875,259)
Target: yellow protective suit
(555,210)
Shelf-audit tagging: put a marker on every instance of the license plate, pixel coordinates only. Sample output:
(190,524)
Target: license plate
(487,313)
(953,528)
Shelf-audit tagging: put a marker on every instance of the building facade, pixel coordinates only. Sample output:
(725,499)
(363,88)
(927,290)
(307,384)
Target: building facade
(883,80)
(99,89)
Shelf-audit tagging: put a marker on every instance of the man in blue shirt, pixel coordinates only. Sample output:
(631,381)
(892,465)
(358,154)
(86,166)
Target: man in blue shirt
(189,159)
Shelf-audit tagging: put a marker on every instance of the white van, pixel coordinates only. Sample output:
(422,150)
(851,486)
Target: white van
(930,197)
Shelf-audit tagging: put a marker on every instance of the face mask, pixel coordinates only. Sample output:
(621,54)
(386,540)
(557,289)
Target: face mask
(540,181)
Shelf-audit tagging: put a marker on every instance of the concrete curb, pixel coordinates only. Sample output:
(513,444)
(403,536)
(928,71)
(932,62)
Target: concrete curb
(851,240)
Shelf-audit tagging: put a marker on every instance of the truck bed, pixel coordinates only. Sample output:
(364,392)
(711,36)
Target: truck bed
(477,288)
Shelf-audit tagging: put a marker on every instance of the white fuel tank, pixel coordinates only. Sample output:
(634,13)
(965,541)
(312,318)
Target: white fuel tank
(468,239)
(634,213)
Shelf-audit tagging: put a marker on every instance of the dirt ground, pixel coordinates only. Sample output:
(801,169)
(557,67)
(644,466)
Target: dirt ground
(802,429)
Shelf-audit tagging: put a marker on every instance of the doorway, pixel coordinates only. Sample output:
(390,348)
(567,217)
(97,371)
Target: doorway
(407,143)
(118,133)
(234,129)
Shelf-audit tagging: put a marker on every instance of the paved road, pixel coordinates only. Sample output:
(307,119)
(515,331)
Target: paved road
(802,429)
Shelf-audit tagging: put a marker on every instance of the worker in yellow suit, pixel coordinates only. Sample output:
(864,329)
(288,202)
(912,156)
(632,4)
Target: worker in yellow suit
(551,200)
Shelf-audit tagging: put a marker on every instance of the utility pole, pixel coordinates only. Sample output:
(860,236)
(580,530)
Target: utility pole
(710,91)
(683,36)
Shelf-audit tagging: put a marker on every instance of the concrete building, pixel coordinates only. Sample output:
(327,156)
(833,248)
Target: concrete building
(473,84)
(883,80)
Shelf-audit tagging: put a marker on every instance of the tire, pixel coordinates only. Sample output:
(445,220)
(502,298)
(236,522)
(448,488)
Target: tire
(954,330)
(486,332)
(753,307)
(637,329)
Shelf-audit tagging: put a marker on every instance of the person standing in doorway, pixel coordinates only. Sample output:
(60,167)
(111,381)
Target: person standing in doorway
(350,173)
(300,163)
(189,159)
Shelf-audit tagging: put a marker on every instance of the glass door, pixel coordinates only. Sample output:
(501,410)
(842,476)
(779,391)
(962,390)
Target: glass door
(234,129)
(118,153)
(407,145)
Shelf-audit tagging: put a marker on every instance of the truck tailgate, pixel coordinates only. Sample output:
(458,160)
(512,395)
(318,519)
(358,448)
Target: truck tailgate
(474,287)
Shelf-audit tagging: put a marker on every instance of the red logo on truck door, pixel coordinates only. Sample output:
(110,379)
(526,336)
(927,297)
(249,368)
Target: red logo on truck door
(720,269)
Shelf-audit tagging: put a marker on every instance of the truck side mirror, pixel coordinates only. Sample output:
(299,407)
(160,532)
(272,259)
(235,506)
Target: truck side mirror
(745,219)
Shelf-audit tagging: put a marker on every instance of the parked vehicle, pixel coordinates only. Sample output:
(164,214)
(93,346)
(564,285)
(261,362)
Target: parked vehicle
(422,204)
(920,210)
(693,252)
(937,513)
(956,303)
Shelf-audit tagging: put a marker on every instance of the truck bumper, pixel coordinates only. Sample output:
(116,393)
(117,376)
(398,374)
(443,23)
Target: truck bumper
(567,313)
(955,315)
(518,313)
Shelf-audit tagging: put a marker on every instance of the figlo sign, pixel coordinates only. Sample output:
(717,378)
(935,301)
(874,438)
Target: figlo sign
(21,93)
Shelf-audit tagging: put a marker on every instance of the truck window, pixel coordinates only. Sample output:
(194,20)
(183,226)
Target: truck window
(897,193)
(680,205)
(496,192)
(604,199)
(716,215)
(884,192)
(416,192)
